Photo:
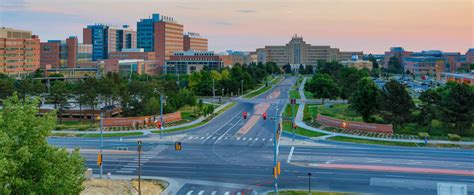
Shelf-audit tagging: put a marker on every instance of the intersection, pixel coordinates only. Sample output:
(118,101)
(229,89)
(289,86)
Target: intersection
(216,159)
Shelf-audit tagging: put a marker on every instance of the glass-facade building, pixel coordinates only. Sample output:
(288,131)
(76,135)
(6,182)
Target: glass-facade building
(145,30)
(106,39)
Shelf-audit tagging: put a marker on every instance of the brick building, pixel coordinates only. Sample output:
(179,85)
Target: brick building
(194,41)
(19,52)
(64,54)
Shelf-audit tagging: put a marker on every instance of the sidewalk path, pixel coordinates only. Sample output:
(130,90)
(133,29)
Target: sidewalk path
(299,122)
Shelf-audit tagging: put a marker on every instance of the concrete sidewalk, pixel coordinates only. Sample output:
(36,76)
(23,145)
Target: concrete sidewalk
(299,122)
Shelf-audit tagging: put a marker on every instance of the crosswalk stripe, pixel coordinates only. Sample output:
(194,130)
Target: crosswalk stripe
(238,138)
(271,139)
(190,192)
(263,139)
(244,138)
(227,193)
(214,138)
(250,139)
(256,139)
(213,192)
(201,192)
(226,138)
(202,137)
(190,137)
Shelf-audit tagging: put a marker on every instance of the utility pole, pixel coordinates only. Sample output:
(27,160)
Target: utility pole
(161,117)
(242,86)
(293,118)
(309,183)
(213,90)
(275,142)
(139,167)
(101,142)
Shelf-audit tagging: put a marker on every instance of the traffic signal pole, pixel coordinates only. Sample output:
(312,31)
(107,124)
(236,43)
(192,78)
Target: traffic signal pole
(161,116)
(101,142)
(275,142)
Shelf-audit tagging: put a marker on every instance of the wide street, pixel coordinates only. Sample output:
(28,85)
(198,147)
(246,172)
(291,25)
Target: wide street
(223,157)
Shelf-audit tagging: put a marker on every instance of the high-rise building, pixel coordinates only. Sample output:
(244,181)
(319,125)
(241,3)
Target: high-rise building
(107,38)
(299,52)
(194,41)
(160,34)
(19,52)
(64,54)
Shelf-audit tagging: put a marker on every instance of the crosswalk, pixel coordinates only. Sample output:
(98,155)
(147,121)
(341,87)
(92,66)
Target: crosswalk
(196,189)
(132,166)
(204,192)
(229,138)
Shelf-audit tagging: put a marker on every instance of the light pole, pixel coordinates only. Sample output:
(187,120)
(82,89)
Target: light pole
(213,90)
(275,142)
(161,116)
(309,183)
(139,167)
(101,141)
(242,86)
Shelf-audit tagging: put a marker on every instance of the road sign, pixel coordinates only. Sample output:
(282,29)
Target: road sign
(244,114)
(278,168)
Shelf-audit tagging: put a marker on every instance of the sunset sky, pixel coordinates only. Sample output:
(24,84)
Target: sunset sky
(371,26)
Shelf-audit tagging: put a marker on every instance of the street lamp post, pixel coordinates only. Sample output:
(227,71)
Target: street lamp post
(275,142)
(161,116)
(139,167)
(309,183)
(242,86)
(101,141)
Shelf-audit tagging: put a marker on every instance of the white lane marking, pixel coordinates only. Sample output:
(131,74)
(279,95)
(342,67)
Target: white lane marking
(238,138)
(291,154)
(124,171)
(226,138)
(244,138)
(271,139)
(209,137)
(196,138)
(136,166)
(201,192)
(190,137)
(256,139)
(227,193)
(190,192)
(214,138)
(202,137)
(250,139)
(213,193)
(263,139)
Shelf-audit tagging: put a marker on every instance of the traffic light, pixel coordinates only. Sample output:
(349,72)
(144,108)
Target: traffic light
(99,159)
(274,172)
(293,101)
(244,114)
(264,116)
(158,124)
(278,168)
(177,146)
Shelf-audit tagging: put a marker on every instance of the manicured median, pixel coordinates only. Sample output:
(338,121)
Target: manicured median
(378,142)
(301,131)
(301,192)
(112,134)
(257,92)
(294,94)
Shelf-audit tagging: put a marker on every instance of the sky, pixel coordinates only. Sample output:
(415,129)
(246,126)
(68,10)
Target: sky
(371,26)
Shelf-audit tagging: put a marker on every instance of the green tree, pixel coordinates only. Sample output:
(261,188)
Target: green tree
(348,77)
(24,87)
(59,95)
(396,103)
(457,106)
(371,58)
(29,164)
(394,65)
(429,107)
(364,99)
(323,87)
(287,68)
(89,96)
(6,87)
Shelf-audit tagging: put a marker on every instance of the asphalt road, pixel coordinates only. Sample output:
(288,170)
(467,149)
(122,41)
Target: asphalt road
(214,160)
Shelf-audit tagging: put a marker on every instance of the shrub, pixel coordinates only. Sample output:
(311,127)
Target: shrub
(423,135)
(454,137)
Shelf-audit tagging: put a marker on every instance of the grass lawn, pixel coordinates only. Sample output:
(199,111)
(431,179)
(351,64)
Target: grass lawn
(310,111)
(112,134)
(300,131)
(294,94)
(288,110)
(276,80)
(301,192)
(366,141)
(308,95)
(257,92)
(339,111)
(76,125)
